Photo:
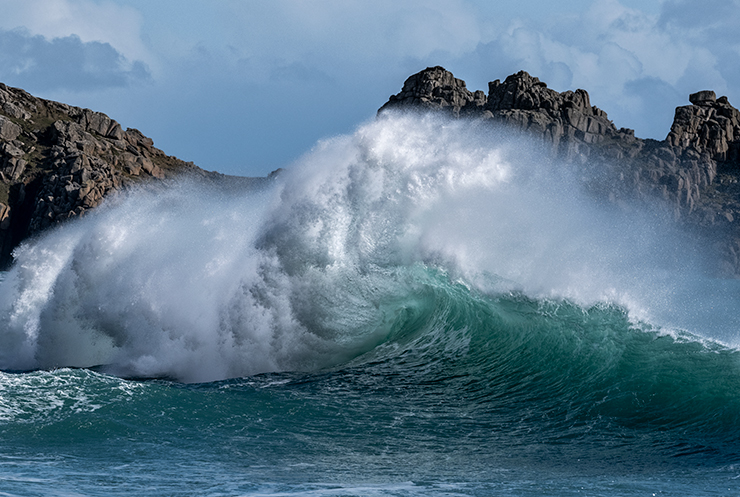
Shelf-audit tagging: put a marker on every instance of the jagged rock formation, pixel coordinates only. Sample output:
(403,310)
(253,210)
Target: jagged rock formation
(58,161)
(695,169)
(563,119)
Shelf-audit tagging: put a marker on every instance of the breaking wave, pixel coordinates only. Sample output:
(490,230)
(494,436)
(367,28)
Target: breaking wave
(412,234)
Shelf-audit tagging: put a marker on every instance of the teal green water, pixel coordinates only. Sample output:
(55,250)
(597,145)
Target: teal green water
(467,395)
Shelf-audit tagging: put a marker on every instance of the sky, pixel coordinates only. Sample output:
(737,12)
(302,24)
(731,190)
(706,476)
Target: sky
(246,86)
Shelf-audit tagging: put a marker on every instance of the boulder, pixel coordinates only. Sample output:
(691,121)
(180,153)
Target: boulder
(8,129)
(704,97)
(435,88)
(4,217)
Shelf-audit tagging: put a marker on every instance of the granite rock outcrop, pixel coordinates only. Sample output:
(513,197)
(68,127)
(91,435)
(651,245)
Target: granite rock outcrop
(695,170)
(59,161)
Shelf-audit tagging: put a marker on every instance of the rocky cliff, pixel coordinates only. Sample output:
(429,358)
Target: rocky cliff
(695,169)
(58,161)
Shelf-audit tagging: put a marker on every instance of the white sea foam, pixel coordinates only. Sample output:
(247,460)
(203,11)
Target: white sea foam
(202,285)
(33,398)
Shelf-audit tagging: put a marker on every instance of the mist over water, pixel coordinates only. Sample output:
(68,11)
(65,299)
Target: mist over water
(319,266)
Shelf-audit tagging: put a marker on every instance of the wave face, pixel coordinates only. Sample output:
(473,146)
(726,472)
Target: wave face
(411,229)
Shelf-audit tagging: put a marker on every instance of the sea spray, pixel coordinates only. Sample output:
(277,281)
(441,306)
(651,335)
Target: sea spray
(322,265)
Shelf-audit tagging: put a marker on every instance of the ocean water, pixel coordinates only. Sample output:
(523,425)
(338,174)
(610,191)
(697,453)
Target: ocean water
(420,308)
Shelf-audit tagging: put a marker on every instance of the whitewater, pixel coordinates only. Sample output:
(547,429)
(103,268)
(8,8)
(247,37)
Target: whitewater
(425,306)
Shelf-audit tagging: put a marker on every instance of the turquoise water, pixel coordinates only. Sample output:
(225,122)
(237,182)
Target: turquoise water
(411,310)
(285,444)
(469,396)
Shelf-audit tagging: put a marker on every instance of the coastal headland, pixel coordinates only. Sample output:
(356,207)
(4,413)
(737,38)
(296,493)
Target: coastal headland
(58,162)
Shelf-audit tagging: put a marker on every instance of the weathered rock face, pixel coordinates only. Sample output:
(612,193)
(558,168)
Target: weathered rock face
(564,120)
(436,88)
(710,126)
(695,169)
(58,161)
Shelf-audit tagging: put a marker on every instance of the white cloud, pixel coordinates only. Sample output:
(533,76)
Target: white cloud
(91,21)
(65,63)
(617,52)
(338,35)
